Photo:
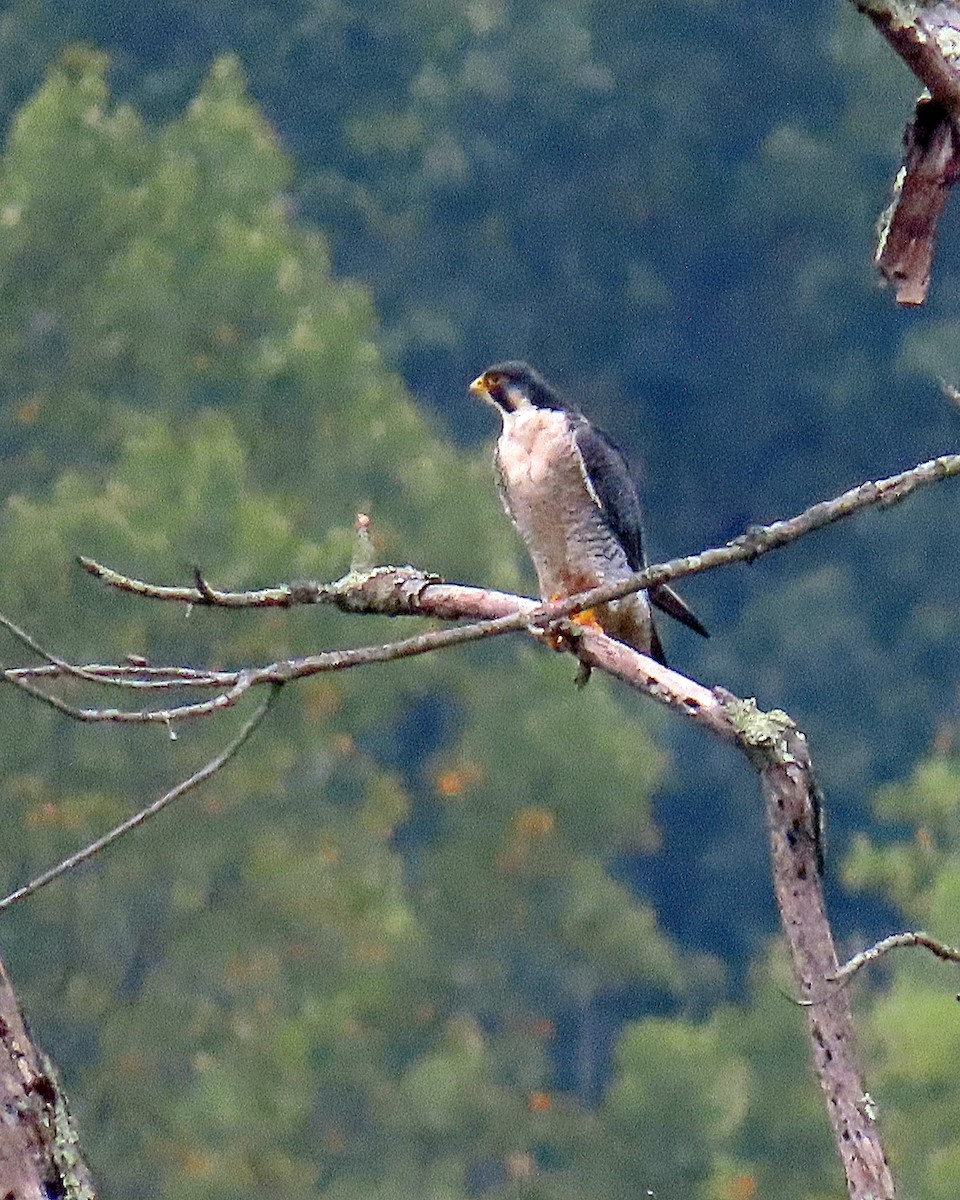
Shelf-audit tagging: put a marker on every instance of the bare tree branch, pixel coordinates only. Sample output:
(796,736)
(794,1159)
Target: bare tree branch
(771,742)
(778,751)
(147,678)
(410,599)
(907,230)
(894,942)
(387,586)
(927,37)
(187,785)
(398,591)
(63,667)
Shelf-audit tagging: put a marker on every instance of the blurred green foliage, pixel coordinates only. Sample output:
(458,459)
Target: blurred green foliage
(913,1030)
(340,965)
(424,936)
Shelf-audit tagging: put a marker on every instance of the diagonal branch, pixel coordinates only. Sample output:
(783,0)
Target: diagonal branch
(778,751)
(774,746)
(187,785)
(396,591)
(408,600)
(59,664)
(895,942)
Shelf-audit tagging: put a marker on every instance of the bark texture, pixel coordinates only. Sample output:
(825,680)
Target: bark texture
(39,1153)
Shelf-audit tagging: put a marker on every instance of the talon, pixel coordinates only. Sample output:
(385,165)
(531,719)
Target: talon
(557,638)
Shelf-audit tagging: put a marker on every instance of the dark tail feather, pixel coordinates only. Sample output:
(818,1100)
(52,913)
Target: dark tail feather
(656,646)
(667,600)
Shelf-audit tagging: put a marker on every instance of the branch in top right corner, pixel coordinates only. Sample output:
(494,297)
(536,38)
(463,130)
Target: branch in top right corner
(907,231)
(927,38)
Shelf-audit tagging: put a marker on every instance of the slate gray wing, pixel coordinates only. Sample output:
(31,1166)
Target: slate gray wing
(614,489)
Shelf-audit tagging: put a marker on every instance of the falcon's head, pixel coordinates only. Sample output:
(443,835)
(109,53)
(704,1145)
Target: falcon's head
(514,386)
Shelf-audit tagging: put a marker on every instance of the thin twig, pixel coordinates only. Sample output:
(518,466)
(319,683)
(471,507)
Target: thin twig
(32,644)
(283,671)
(144,814)
(262,598)
(894,942)
(125,675)
(241,682)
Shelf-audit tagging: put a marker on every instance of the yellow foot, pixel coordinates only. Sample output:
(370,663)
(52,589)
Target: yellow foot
(560,639)
(588,619)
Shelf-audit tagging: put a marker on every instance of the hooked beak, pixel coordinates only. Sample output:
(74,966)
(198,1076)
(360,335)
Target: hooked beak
(479,387)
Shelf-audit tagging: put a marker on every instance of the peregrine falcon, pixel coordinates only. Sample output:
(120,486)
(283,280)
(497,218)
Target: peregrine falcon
(568,489)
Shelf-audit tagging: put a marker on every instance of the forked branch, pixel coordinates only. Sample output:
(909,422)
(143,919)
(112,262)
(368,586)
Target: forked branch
(776,749)
(403,591)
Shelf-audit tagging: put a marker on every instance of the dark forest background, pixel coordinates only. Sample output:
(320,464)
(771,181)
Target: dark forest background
(451,927)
